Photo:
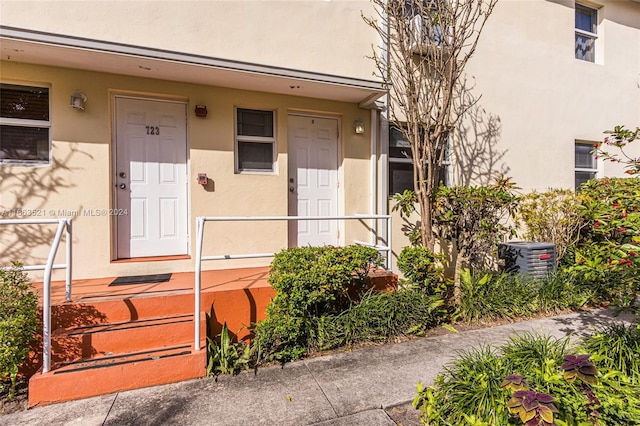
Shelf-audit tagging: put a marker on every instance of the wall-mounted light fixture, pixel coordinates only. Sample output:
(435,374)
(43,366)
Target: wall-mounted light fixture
(78,100)
(358,127)
(201,111)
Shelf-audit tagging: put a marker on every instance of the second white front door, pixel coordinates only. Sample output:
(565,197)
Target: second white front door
(150,178)
(313,180)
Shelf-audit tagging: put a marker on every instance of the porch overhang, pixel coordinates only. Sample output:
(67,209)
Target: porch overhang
(41,48)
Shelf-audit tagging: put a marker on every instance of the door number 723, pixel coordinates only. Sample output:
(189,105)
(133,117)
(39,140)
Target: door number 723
(153,130)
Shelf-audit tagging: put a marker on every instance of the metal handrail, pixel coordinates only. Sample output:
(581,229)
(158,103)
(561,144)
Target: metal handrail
(201,220)
(63,225)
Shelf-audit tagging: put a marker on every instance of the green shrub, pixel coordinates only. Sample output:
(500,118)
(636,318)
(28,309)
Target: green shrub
(472,221)
(310,282)
(480,384)
(607,255)
(18,322)
(552,216)
(423,269)
(381,317)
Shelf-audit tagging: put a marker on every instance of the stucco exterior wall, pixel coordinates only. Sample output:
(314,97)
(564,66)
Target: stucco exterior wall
(537,100)
(80,176)
(321,36)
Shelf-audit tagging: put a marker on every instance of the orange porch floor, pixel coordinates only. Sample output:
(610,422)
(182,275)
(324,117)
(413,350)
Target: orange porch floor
(83,290)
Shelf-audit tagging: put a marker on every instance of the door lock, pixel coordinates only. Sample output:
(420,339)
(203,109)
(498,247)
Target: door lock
(122,186)
(122,175)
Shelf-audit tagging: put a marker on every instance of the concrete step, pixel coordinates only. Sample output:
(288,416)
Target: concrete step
(108,374)
(73,343)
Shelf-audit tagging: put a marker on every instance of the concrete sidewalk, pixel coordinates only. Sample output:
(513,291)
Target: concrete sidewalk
(362,387)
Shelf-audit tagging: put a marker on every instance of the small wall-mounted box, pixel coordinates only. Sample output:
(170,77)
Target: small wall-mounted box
(201,111)
(202,179)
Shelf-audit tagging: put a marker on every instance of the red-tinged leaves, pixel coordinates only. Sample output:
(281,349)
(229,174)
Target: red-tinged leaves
(579,366)
(544,398)
(514,382)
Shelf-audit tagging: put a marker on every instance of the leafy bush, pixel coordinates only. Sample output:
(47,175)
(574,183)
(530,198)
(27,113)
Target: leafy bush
(527,372)
(606,257)
(310,282)
(381,317)
(18,322)
(226,356)
(552,216)
(473,220)
(423,269)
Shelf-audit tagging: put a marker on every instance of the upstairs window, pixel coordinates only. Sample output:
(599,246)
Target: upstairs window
(586,33)
(586,167)
(25,125)
(255,140)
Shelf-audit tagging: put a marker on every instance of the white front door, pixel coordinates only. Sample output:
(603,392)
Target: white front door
(150,178)
(313,180)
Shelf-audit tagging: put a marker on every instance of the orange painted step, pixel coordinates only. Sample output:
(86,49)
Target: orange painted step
(104,375)
(105,310)
(87,341)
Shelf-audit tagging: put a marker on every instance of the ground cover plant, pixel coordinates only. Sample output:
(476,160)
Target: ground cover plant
(533,380)
(18,323)
(488,295)
(380,318)
(226,356)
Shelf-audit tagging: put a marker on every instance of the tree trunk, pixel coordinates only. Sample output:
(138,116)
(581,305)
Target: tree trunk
(460,259)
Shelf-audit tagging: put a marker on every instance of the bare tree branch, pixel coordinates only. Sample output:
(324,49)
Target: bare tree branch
(426,46)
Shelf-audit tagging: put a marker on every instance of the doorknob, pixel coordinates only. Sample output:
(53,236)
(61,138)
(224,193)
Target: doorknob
(122,186)
(291,189)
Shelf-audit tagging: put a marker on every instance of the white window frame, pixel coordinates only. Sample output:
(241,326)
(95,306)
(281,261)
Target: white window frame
(593,169)
(589,34)
(20,122)
(256,139)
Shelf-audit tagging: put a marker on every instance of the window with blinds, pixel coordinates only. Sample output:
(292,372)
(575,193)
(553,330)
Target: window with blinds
(25,124)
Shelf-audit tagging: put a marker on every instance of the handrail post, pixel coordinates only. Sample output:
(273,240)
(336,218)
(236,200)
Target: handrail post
(69,240)
(46,303)
(390,251)
(198,281)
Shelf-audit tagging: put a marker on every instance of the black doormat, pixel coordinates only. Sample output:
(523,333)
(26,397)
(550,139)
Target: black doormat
(141,279)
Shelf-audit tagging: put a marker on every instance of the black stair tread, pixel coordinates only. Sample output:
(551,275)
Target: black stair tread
(123,325)
(124,358)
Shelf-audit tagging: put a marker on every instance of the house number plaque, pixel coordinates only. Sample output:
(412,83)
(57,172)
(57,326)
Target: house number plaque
(153,130)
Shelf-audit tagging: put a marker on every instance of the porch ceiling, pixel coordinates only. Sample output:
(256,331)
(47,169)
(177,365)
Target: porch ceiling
(41,48)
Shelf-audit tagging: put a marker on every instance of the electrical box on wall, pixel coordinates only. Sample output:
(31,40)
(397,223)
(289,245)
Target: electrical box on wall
(202,179)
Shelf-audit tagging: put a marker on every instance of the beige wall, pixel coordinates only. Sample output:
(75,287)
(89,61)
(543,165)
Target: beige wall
(315,35)
(537,99)
(80,176)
